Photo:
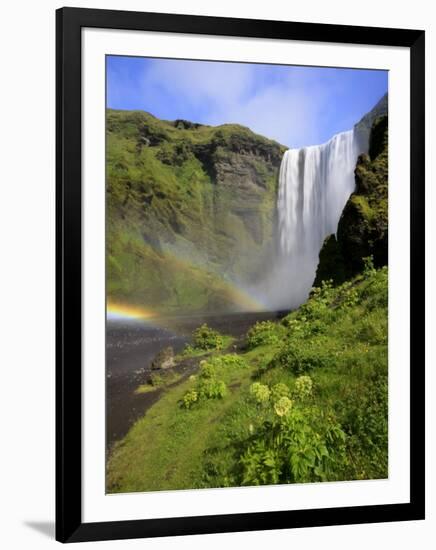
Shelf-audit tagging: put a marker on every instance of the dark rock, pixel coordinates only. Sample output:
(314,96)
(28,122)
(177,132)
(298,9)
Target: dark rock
(331,263)
(182,124)
(363,226)
(363,129)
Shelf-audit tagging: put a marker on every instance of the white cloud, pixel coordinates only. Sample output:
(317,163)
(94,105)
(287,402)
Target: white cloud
(287,109)
(218,83)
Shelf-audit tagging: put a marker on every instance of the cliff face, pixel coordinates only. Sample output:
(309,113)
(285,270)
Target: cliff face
(363,226)
(364,126)
(189,208)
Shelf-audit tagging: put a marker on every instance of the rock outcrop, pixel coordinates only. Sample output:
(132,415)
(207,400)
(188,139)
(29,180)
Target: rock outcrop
(363,226)
(164,359)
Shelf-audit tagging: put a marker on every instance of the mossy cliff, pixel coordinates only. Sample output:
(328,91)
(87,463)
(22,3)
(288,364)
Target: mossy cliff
(363,226)
(189,209)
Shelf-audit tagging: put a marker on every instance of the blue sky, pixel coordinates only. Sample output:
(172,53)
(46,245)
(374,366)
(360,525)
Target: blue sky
(296,106)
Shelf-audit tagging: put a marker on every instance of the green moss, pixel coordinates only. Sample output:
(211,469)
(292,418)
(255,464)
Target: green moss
(363,226)
(174,208)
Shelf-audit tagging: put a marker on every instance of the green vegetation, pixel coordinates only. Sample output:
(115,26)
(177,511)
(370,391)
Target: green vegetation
(310,405)
(177,194)
(192,351)
(303,399)
(297,445)
(158,380)
(363,227)
(263,333)
(205,338)
(145,388)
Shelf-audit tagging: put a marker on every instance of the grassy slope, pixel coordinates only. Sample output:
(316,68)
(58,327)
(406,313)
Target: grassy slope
(340,333)
(177,194)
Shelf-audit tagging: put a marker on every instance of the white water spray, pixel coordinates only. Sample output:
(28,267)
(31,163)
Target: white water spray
(314,185)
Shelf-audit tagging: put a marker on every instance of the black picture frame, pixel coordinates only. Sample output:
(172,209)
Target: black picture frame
(69,525)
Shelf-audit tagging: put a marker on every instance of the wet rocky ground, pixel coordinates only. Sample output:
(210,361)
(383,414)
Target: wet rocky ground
(131,349)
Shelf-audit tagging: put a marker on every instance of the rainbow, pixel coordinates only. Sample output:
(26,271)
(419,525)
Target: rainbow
(115,311)
(242,300)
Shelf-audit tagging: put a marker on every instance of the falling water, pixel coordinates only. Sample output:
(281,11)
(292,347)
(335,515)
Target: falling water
(314,185)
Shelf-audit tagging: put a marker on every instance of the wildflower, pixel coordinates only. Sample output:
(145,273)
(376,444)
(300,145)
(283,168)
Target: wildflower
(260,392)
(283,406)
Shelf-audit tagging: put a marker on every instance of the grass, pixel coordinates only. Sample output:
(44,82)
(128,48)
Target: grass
(172,224)
(338,339)
(145,388)
(194,352)
(164,449)
(159,380)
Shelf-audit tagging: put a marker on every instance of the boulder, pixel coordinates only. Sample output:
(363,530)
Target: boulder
(164,359)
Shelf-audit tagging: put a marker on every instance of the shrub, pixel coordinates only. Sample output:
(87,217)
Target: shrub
(303,387)
(260,392)
(189,399)
(372,329)
(207,370)
(230,360)
(375,291)
(302,328)
(188,350)
(348,295)
(299,357)
(283,406)
(155,379)
(208,385)
(263,333)
(368,266)
(279,390)
(297,446)
(206,338)
(319,302)
(210,388)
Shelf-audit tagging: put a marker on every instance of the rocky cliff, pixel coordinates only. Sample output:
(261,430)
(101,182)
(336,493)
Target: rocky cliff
(190,211)
(363,226)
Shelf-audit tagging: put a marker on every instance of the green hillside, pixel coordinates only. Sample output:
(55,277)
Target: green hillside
(305,400)
(190,210)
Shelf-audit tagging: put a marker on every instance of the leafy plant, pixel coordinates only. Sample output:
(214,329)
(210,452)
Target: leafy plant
(211,388)
(368,266)
(156,379)
(206,338)
(260,393)
(303,387)
(263,333)
(348,295)
(207,370)
(228,361)
(279,390)
(301,356)
(365,419)
(299,445)
(190,398)
(208,385)
(283,406)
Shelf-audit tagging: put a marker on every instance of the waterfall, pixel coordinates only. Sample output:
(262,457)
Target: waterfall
(314,185)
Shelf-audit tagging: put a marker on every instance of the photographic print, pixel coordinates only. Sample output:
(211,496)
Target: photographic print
(246,274)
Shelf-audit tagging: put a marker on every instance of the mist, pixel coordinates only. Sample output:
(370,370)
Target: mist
(314,185)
